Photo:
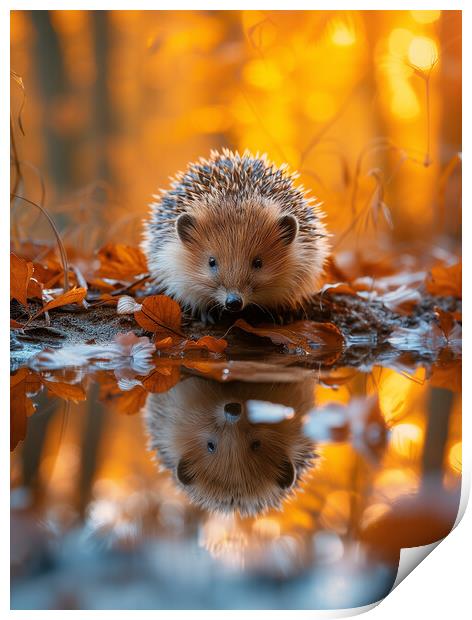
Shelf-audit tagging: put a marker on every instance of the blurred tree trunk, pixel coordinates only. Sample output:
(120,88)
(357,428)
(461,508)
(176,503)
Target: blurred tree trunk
(102,122)
(53,87)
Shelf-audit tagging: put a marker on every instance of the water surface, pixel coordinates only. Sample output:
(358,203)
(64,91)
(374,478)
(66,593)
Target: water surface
(247,484)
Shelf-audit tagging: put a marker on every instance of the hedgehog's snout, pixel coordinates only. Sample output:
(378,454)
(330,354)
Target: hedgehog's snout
(234,302)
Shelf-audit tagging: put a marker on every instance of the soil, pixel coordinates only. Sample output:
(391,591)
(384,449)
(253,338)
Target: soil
(365,325)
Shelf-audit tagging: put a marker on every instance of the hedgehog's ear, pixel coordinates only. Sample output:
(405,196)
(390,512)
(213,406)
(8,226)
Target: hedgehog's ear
(184,475)
(289,228)
(286,475)
(185,225)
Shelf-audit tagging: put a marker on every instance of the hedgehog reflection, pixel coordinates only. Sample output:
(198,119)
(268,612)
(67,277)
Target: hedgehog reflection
(224,462)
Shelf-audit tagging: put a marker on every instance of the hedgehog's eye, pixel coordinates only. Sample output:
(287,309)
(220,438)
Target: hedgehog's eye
(257,263)
(211,446)
(255,445)
(212,262)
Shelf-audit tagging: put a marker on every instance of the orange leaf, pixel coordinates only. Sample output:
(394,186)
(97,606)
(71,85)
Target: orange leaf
(447,375)
(299,334)
(446,320)
(445,280)
(165,343)
(215,345)
(20,276)
(162,378)
(125,402)
(74,296)
(22,384)
(35,289)
(66,391)
(130,403)
(15,325)
(159,314)
(121,262)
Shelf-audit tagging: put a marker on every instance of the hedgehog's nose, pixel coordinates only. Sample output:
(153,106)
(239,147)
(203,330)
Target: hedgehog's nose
(232,411)
(233,302)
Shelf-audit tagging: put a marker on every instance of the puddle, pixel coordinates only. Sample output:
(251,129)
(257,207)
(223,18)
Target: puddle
(201,484)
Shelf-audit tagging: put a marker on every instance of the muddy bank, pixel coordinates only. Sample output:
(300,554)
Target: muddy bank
(365,325)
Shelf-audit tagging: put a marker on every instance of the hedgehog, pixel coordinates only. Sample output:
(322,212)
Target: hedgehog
(235,231)
(202,432)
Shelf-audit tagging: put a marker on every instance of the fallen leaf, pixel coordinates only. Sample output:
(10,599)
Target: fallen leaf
(47,274)
(121,262)
(249,371)
(15,325)
(130,402)
(159,314)
(162,378)
(127,402)
(23,384)
(165,343)
(447,375)
(66,391)
(299,335)
(21,272)
(445,319)
(74,296)
(445,280)
(35,289)
(215,345)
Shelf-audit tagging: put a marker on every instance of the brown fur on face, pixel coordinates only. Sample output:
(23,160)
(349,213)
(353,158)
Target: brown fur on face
(224,463)
(235,236)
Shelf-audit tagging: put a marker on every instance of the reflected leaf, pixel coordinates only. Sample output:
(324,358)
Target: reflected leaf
(23,384)
(66,391)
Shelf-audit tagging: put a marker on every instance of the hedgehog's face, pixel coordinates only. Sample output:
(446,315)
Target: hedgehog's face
(239,256)
(222,459)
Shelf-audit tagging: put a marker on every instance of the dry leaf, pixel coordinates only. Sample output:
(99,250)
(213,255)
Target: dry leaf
(35,289)
(447,375)
(22,384)
(299,335)
(159,314)
(162,378)
(445,280)
(215,345)
(21,272)
(165,343)
(74,296)
(66,391)
(445,319)
(121,262)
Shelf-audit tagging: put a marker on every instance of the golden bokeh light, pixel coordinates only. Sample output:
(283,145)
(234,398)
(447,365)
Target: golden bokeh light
(423,52)
(405,104)
(342,33)
(425,17)
(406,440)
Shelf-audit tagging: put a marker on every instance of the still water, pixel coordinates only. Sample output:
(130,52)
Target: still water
(241,485)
